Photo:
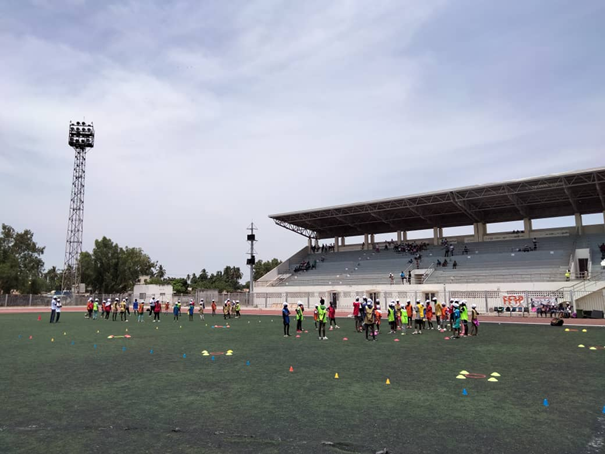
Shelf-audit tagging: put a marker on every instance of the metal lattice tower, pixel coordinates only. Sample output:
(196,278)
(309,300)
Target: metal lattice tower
(81,138)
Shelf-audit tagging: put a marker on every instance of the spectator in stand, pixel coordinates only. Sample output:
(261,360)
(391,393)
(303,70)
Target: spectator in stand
(438,263)
(602,249)
(535,244)
(567,275)
(451,250)
(402,275)
(455,264)
(391,278)
(465,250)
(444,264)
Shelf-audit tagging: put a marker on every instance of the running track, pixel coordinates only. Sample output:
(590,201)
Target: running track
(276,312)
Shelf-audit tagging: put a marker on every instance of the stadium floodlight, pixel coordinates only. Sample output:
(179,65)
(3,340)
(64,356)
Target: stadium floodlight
(81,137)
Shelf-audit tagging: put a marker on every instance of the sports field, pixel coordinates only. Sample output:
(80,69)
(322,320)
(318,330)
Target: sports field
(66,396)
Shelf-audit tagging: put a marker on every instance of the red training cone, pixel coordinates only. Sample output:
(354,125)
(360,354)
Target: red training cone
(291,369)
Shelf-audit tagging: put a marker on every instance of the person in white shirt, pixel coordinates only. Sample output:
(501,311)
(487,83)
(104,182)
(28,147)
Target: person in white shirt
(53,309)
(58,309)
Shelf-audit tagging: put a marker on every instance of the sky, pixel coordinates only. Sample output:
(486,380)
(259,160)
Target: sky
(210,115)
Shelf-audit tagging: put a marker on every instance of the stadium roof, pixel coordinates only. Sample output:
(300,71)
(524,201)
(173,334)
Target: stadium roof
(562,194)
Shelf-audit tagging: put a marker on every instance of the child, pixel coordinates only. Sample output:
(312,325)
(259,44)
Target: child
(114,315)
(123,311)
(321,319)
(437,313)
(408,309)
(232,309)
(391,318)
(152,306)
(429,314)
(237,309)
(464,318)
(377,317)
(141,311)
(95,309)
(332,317)
(315,316)
(455,322)
(135,307)
(213,306)
(157,310)
(89,308)
(107,308)
(444,315)
(369,320)
(356,309)
(419,317)
(58,310)
(299,317)
(175,312)
(201,310)
(166,306)
(397,315)
(404,321)
(226,310)
(474,320)
(286,318)
(191,309)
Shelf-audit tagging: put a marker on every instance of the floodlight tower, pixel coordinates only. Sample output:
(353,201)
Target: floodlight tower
(81,138)
(251,238)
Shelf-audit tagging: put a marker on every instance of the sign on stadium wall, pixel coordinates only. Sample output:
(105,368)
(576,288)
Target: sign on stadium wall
(513,300)
(537,300)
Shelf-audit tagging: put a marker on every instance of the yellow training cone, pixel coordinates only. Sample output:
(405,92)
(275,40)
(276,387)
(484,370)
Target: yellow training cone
(98,331)
(64,333)
(583,330)
(229,351)
(228,354)
(52,340)
(461,377)
(581,345)
(463,372)
(336,376)
(495,374)
(492,379)
(592,348)
(388,382)
(126,329)
(566,329)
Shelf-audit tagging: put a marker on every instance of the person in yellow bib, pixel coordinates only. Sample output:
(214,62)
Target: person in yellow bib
(464,318)
(322,313)
(123,311)
(419,309)
(368,321)
(438,309)
(404,320)
(391,317)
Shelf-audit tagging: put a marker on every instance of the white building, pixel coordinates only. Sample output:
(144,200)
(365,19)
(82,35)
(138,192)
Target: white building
(147,291)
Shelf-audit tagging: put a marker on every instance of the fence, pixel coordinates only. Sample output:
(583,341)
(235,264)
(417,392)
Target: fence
(8,300)
(486,300)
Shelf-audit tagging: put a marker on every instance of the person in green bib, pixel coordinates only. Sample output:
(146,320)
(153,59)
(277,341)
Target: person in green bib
(299,317)
(391,317)
(368,321)
(464,318)
(404,320)
(322,313)
(95,309)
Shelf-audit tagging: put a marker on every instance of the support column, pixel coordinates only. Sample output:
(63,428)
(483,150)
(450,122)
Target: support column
(366,238)
(604,221)
(527,227)
(316,243)
(372,240)
(579,226)
(479,231)
(399,235)
(336,247)
(342,241)
(310,245)
(404,236)
(436,236)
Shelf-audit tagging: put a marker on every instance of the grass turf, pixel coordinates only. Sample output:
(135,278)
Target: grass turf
(62,398)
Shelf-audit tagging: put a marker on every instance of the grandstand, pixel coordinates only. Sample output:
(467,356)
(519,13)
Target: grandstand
(494,263)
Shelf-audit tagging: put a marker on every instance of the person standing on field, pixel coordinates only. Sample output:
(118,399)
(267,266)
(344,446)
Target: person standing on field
(285,313)
(369,320)
(321,319)
(213,306)
(59,306)
(53,309)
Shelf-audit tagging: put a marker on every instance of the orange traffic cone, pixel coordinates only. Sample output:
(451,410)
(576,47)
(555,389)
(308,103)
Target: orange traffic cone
(291,369)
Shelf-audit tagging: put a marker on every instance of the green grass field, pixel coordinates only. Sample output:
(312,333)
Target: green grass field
(59,397)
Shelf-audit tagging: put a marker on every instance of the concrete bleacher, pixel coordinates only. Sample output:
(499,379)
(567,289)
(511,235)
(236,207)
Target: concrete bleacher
(487,261)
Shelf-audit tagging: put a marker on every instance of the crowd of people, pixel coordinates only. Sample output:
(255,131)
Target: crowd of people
(107,308)
(368,317)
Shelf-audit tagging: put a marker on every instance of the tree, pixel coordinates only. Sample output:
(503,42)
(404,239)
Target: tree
(53,278)
(261,268)
(21,264)
(160,273)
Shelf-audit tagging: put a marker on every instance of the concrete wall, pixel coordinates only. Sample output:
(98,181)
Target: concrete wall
(145,292)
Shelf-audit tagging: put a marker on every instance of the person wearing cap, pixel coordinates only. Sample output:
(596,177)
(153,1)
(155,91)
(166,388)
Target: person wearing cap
(391,318)
(299,317)
(58,309)
(474,320)
(201,309)
(107,308)
(322,313)
(191,309)
(316,316)
(53,309)
(89,308)
(377,317)
(141,311)
(368,320)
(455,321)
(226,310)
(157,311)
(135,307)
(175,312)
(397,315)
(127,308)
(429,314)
(419,317)
(404,320)
(356,311)
(237,309)
(332,316)
(213,307)
(285,313)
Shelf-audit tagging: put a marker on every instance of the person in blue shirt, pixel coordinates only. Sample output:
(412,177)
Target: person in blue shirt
(285,313)
(191,305)
(135,306)
(175,311)
(456,322)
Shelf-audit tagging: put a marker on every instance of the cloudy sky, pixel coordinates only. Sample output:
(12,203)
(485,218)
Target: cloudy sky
(213,114)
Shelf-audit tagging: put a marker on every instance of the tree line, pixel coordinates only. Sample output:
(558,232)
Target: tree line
(109,268)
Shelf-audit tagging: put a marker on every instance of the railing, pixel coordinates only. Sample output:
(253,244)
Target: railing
(428,272)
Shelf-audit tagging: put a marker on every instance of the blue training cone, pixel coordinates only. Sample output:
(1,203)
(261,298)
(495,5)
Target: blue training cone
(248,363)
(94,346)
(151,352)
(184,355)
(604,409)
(546,402)
(213,358)
(123,349)
(464,392)
(72,342)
